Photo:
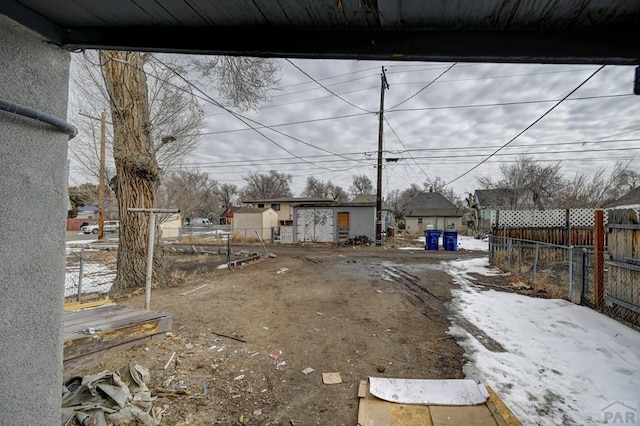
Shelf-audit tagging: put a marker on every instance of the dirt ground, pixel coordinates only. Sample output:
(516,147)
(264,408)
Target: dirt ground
(246,338)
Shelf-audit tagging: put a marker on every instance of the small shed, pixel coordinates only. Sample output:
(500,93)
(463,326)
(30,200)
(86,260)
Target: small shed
(248,221)
(334,222)
(170,226)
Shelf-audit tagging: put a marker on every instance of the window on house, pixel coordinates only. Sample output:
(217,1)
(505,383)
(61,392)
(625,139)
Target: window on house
(419,220)
(260,205)
(276,207)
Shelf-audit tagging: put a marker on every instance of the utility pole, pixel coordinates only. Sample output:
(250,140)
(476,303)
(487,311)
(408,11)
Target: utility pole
(103,131)
(384,85)
(102,177)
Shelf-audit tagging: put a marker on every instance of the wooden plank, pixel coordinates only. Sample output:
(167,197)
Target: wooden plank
(503,412)
(71,331)
(112,338)
(476,415)
(105,326)
(103,317)
(75,306)
(90,359)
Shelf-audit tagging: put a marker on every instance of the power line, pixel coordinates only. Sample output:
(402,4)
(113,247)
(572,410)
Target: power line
(446,107)
(327,89)
(528,127)
(425,87)
(245,119)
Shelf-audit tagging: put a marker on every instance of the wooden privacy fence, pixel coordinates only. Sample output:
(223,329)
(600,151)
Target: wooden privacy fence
(622,294)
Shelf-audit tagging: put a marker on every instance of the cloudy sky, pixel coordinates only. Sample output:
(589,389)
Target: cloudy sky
(455,121)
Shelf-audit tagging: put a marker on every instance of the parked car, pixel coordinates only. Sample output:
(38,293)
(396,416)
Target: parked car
(109,226)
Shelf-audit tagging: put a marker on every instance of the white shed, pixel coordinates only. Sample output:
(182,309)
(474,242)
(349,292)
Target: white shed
(248,221)
(170,226)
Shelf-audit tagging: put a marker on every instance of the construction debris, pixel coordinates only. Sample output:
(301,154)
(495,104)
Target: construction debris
(118,398)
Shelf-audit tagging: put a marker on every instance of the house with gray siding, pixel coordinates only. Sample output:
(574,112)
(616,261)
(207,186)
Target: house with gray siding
(333,222)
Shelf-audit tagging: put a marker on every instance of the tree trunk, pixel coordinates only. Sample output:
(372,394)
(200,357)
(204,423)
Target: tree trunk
(137,172)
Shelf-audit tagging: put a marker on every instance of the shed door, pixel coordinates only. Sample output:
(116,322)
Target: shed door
(315,225)
(343,226)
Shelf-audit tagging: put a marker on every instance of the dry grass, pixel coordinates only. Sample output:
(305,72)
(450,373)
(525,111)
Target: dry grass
(551,281)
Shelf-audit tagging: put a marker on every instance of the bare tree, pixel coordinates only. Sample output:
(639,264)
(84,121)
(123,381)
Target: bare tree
(228,194)
(135,150)
(175,114)
(595,191)
(315,188)
(137,171)
(528,181)
(191,191)
(266,185)
(361,184)
(438,185)
(337,193)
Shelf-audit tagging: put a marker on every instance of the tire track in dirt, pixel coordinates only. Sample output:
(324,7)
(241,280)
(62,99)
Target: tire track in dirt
(416,292)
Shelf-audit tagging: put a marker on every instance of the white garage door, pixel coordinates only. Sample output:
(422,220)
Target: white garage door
(315,225)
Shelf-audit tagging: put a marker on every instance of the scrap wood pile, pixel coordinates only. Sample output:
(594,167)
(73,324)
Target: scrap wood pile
(361,240)
(110,399)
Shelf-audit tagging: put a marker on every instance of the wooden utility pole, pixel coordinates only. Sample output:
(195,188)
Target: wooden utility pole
(383,86)
(102,176)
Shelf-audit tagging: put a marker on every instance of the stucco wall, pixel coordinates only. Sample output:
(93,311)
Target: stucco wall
(33,204)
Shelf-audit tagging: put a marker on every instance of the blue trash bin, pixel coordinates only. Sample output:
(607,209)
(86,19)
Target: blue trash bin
(431,239)
(450,240)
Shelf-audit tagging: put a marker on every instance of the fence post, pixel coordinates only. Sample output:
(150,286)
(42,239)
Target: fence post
(572,286)
(509,254)
(80,272)
(535,263)
(519,256)
(491,248)
(228,250)
(585,272)
(598,289)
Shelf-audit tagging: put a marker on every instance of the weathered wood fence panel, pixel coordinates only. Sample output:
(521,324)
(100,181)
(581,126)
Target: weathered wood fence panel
(622,294)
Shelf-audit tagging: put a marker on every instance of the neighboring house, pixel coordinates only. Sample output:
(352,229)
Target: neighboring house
(87,212)
(91,211)
(388,218)
(631,199)
(283,206)
(486,201)
(248,221)
(333,222)
(434,210)
(171,226)
(226,218)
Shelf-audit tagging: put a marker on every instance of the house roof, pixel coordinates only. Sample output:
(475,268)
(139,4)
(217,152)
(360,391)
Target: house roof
(427,204)
(369,198)
(493,197)
(336,204)
(228,212)
(286,200)
(631,198)
(544,31)
(252,210)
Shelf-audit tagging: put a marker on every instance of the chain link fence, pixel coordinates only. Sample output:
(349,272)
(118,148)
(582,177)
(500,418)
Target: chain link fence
(548,269)
(567,272)
(89,273)
(620,298)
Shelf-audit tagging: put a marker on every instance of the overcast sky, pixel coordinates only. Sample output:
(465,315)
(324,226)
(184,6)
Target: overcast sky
(450,120)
